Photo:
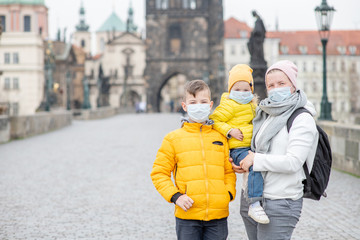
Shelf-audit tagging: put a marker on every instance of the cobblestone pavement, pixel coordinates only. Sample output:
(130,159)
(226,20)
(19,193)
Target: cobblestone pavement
(91,181)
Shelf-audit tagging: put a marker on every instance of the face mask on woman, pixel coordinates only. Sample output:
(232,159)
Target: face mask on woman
(198,112)
(279,94)
(241,97)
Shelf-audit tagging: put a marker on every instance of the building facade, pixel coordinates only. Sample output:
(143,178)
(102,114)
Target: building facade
(25,25)
(183,38)
(305,50)
(116,74)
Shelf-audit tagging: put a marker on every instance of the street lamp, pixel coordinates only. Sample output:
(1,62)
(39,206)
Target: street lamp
(324,14)
(86,102)
(49,65)
(68,80)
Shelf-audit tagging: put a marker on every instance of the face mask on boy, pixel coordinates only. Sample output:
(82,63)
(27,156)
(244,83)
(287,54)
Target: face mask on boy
(241,97)
(279,94)
(198,112)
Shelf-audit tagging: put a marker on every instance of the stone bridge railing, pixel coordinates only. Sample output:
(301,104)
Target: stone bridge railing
(26,126)
(345,145)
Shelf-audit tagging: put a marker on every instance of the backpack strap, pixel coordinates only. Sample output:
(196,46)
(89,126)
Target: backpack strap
(294,115)
(289,124)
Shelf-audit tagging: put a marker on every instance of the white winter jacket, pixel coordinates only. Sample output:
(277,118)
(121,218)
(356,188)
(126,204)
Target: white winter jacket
(282,166)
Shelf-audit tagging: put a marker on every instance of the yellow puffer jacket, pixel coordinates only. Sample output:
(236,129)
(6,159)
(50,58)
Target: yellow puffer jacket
(198,157)
(230,114)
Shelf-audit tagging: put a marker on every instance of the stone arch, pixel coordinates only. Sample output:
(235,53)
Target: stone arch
(167,78)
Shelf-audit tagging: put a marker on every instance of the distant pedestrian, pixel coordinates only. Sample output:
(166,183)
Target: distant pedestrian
(280,154)
(142,106)
(197,155)
(171,105)
(233,118)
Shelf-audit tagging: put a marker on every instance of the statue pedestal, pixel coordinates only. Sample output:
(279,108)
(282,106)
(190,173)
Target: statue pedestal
(259,80)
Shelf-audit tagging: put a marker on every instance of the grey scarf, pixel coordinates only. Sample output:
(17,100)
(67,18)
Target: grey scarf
(281,111)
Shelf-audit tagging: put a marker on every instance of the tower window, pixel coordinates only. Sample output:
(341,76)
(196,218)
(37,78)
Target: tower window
(7,84)
(16,58)
(162,4)
(7,58)
(27,23)
(189,4)
(175,39)
(3,23)
(83,43)
(16,83)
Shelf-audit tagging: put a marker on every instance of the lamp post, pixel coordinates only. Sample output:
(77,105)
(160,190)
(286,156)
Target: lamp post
(49,64)
(324,14)
(86,102)
(68,79)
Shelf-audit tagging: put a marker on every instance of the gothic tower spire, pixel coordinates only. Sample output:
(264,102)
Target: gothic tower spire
(82,26)
(130,25)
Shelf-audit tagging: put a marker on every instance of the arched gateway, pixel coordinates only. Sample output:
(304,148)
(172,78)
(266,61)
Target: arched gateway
(183,37)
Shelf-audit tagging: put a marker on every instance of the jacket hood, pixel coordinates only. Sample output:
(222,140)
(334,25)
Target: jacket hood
(309,106)
(208,122)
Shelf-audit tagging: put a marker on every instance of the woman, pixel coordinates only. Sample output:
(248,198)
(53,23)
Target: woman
(280,154)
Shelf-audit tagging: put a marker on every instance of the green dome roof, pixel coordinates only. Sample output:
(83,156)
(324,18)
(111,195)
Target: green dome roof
(27,2)
(113,23)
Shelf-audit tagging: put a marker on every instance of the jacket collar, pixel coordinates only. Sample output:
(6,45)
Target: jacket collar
(195,127)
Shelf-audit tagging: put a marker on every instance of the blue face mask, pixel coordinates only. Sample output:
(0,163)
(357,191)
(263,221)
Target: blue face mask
(279,94)
(241,97)
(198,112)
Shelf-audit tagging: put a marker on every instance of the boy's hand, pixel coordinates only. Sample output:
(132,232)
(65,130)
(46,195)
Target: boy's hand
(185,202)
(235,167)
(236,133)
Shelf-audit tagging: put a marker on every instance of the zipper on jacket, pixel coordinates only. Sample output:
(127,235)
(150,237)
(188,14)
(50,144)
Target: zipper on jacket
(206,177)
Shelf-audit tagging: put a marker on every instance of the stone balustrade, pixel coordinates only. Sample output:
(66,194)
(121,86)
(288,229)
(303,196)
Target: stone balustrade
(345,145)
(26,126)
(4,129)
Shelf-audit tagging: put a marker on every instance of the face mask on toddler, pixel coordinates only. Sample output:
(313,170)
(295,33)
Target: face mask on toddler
(198,112)
(241,97)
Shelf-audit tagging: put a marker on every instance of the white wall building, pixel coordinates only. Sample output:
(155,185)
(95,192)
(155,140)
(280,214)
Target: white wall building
(22,55)
(125,53)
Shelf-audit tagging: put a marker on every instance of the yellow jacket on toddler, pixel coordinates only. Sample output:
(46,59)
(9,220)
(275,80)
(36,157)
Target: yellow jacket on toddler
(230,114)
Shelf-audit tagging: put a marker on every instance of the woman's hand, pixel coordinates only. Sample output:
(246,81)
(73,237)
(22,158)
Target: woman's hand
(235,167)
(247,162)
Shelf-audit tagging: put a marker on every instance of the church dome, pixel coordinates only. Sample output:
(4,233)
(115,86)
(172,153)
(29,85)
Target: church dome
(113,23)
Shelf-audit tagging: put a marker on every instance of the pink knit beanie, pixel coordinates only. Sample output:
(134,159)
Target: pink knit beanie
(287,67)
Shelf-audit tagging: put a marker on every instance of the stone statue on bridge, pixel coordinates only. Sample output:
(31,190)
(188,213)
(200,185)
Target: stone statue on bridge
(256,50)
(256,42)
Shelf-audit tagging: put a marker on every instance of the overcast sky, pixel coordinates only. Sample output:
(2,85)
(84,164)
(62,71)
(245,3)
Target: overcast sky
(291,14)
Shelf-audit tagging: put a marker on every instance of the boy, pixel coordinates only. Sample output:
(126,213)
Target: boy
(198,157)
(233,118)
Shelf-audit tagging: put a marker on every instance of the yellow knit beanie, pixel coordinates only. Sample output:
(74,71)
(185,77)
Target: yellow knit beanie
(241,72)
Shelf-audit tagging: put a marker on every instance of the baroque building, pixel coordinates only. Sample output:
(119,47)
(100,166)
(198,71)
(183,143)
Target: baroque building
(25,26)
(116,74)
(183,38)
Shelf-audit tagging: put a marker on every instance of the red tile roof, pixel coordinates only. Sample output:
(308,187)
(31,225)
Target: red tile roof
(233,27)
(339,40)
